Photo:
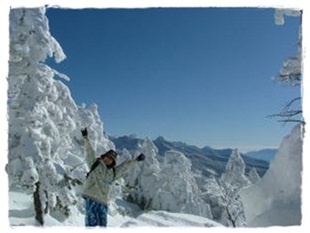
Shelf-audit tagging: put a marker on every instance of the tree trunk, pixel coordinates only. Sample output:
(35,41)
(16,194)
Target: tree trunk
(230,218)
(38,205)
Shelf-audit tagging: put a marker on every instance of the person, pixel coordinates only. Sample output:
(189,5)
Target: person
(103,172)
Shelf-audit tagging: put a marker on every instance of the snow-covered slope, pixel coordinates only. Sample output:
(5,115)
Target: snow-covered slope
(21,213)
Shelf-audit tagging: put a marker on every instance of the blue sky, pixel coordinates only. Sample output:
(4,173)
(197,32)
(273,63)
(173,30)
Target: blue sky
(197,75)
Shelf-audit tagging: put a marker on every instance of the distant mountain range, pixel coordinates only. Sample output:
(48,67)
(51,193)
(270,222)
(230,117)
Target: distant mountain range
(207,160)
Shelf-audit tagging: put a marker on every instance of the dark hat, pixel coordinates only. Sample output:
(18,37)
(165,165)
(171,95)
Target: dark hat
(112,154)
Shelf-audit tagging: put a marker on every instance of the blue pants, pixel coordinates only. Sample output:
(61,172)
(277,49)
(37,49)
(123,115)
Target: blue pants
(96,213)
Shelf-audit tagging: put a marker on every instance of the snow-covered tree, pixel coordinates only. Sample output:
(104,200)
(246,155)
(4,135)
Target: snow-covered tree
(276,199)
(291,69)
(290,72)
(234,174)
(179,191)
(222,192)
(32,96)
(169,185)
(143,181)
(45,148)
(253,176)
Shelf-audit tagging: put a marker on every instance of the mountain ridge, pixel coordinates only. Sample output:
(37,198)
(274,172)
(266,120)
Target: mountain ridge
(203,159)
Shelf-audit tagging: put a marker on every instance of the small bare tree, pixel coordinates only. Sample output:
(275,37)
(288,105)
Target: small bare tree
(291,74)
(228,200)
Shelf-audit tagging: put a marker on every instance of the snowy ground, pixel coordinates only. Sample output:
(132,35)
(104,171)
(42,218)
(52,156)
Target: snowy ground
(21,213)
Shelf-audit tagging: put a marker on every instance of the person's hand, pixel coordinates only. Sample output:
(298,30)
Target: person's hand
(141,157)
(84,132)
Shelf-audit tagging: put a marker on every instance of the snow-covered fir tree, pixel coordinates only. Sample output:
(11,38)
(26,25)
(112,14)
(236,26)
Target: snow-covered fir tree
(45,148)
(222,192)
(234,174)
(253,176)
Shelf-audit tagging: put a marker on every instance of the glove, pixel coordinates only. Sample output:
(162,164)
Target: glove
(84,132)
(141,157)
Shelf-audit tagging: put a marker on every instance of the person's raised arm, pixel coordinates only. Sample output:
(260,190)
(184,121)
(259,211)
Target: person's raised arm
(121,169)
(90,152)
